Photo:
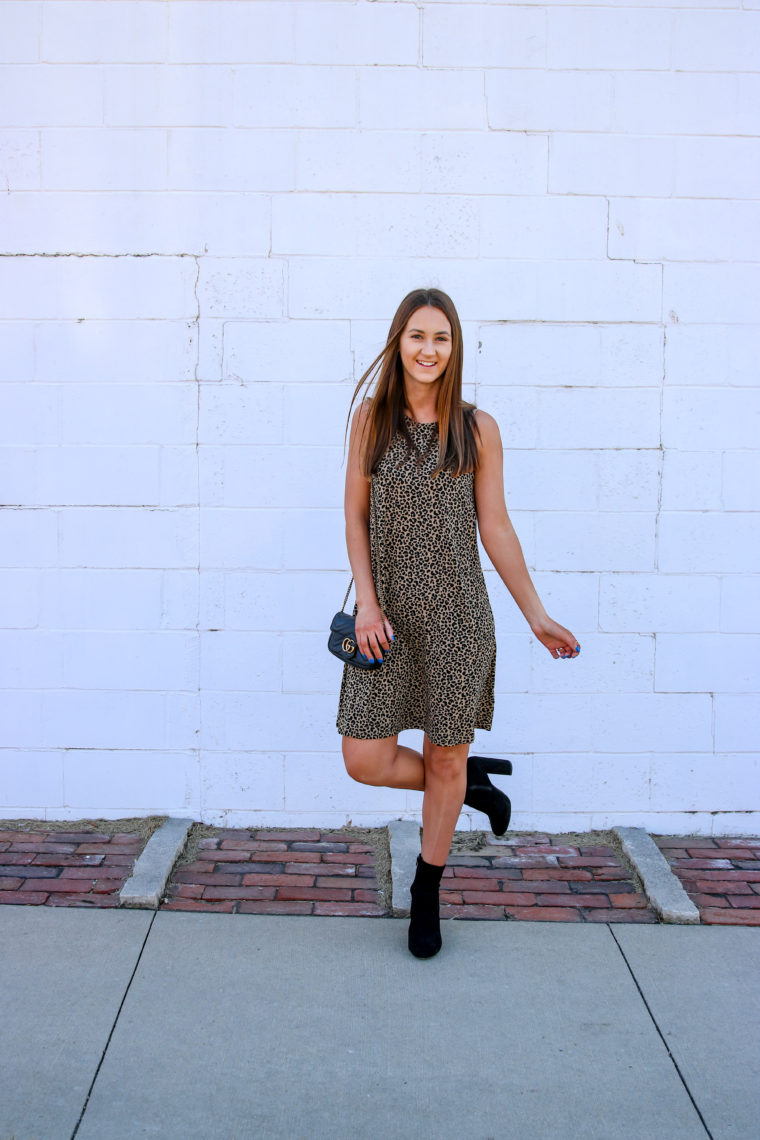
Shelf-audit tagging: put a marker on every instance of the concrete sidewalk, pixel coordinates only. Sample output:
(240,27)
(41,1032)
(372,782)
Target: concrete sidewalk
(123,1024)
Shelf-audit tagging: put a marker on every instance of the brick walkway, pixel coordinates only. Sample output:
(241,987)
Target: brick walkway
(298,871)
(721,876)
(65,868)
(279,872)
(539,878)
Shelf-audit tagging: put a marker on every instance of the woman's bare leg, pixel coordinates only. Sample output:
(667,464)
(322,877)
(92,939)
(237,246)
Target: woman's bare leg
(446,782)
(384,763)
(441,773)
(445,786)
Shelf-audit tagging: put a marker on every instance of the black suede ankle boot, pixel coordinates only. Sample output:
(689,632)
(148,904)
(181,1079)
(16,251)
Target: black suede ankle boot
(425,925)
(483,796)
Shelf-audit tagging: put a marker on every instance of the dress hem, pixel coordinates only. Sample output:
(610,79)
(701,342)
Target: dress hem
(441,744)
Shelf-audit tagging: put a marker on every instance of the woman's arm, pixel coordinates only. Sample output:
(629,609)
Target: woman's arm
(372,627)
(502,545)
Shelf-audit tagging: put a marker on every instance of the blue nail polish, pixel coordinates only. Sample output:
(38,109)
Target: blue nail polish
(392,638)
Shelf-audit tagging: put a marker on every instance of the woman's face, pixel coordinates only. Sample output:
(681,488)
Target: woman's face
(425,346)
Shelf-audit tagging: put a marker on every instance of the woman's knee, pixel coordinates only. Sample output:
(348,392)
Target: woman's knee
(360,769)
(446,764)
(365,764)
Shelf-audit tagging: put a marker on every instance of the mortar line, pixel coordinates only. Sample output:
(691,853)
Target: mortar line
(661,1034)
(115,1022)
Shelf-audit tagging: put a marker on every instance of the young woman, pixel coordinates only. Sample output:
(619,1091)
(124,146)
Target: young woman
(424,473)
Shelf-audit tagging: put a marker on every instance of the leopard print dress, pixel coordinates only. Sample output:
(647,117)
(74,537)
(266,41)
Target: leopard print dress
(439,673)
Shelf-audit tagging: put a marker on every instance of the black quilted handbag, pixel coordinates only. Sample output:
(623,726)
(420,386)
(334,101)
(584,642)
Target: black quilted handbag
(342,639)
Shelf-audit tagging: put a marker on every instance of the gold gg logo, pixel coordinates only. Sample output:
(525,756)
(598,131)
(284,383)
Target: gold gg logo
(348,645)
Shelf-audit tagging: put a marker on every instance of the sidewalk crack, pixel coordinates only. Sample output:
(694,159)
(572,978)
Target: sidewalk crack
(660,1033)
(115,1022)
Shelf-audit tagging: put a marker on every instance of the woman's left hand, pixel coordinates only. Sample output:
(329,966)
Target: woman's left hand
(560,642)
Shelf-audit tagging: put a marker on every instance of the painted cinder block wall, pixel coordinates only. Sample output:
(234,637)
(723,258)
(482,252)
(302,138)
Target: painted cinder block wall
(209,213)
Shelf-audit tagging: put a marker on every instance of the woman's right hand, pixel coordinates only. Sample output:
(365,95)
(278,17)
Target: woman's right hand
(373,631)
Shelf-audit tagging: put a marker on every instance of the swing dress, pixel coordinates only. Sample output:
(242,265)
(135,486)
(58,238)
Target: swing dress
(439,673)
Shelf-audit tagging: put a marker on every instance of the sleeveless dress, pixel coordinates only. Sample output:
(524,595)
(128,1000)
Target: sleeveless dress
(439,673)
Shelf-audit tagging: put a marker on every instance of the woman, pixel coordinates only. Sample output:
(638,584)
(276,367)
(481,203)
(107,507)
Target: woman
(424,474)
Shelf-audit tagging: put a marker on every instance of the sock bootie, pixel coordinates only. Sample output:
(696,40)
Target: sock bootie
(425,924)
(483,796)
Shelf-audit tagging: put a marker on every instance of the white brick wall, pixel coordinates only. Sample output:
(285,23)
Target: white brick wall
(210,210)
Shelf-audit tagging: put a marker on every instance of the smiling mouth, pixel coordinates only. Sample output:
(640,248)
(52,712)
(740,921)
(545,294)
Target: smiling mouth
(426,364)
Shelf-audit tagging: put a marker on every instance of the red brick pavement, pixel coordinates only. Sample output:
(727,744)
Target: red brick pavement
(297,871)
(279,872)
(65,868)
(541,878)
(721,876)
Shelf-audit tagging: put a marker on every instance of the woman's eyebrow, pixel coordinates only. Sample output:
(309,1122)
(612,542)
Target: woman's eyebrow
(441,332)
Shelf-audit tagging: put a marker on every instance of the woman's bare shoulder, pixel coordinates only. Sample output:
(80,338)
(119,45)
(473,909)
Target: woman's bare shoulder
(487,426)
(361,411)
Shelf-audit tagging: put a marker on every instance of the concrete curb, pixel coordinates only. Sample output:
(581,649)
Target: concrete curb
(662,888)
(404,835)
(152,869)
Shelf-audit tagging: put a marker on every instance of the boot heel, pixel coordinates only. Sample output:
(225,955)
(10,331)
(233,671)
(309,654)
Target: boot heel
(495,767)
(483,796)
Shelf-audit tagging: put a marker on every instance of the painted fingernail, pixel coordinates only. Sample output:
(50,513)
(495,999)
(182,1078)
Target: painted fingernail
(392,638)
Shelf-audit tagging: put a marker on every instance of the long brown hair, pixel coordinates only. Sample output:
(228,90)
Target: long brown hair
(457,449)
